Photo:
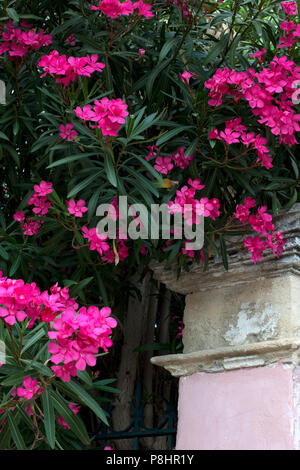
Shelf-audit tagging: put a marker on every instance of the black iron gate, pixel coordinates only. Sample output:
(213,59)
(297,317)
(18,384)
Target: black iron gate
(137,429)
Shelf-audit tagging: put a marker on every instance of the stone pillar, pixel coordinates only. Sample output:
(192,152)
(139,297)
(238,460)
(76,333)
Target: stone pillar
(239,373)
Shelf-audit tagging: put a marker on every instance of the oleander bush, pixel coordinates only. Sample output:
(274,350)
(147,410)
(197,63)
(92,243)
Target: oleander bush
(187,103)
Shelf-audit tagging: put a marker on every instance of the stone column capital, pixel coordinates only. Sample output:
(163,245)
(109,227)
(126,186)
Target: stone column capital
(248,316)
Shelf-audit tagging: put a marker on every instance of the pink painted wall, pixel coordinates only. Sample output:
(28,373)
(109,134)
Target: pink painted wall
(249,409)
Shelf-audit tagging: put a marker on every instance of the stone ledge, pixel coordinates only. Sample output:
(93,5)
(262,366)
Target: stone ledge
(285,351)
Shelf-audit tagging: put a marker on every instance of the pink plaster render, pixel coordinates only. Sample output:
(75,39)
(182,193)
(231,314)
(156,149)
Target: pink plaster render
(247,409)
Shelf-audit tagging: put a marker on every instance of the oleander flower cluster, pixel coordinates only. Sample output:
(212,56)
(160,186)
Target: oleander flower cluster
(165,164)
(18,41)
(76,336)
(261,222)
(41,204)
(77,209)
(67,69)
(289,7)
(100,242)
(192,208)
(108,115)
(29,389)
(183,6)
(268,93)
(68,132)
(291,34)
(237,133)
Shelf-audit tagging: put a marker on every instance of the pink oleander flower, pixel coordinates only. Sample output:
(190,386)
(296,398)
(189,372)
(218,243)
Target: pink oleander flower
(76,208)
(256,247)
(18,42)
(97,241)
(63,423)
(152,152)
(71,40)
(261,223)
(31,227)
(121,248)
(180,330)
(39,199)
(235,132)
(196,184)
(43,189)
(114,8)
(260,90)
(191,208)
(144,9)
(107,114)
(77,338)
(142,52)
(287,41)
(189,253)
(230,136)
(184,7)
(75,408)
(180,160)
(19,216)
(75,335)
(29,389)
(86,113)
(163,165)
(186,76)
(67,69)
(68,132)
(29,410)
(260,55)
(65,372)
(144,250)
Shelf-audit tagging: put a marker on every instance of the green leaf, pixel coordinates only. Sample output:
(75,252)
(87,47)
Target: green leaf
(5,435)
(71,418)
(170,134)
(110,171)
(3,136)
(216,50)
(71,159)
(84,376)
(15,432)
(33,338)
(12,14)
(83,184)
(3,253)
(166,48)
(154,74)
(15,266)
(49,418)
(224,252)
(150,168)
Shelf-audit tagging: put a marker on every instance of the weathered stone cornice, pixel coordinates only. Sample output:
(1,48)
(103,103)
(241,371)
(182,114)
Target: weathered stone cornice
(286,351)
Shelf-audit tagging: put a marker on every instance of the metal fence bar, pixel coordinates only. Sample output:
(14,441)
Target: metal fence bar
(137,429)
